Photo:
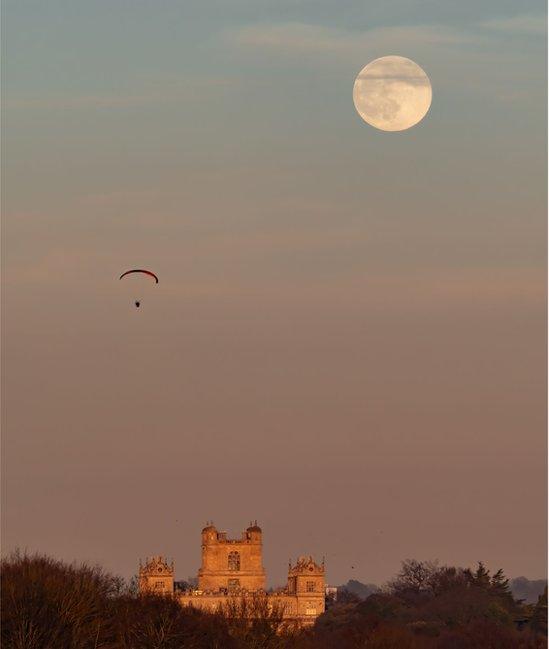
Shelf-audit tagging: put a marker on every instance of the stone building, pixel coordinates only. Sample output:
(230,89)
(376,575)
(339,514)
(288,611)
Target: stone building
(156,576)
(231,564)
(232,569)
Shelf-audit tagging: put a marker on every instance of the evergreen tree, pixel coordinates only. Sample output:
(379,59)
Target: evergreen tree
(539,617)
(481,576)
(499,586)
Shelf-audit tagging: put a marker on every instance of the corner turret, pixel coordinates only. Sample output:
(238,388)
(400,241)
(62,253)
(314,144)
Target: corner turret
(254,533)
(209,533)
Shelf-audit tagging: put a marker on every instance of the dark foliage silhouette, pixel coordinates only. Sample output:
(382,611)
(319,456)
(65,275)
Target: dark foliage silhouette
(47,604)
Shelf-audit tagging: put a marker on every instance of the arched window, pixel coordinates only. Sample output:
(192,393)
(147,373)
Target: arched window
(234,560)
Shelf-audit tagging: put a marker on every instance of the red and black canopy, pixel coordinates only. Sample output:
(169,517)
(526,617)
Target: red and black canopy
(140,270)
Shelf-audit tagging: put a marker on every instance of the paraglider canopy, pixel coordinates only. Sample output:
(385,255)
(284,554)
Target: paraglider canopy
(140,270)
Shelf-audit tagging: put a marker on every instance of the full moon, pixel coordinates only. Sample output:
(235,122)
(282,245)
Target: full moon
(392,93)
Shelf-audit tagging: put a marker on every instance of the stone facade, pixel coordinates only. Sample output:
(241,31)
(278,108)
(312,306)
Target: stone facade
(156,576)
(231,564)
(232,569)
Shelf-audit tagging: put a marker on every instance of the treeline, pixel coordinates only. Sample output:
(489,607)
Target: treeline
(47,604)
(431,606)
(527,590)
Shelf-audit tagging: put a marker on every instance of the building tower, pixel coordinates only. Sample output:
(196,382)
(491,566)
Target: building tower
(156,576)
(231,565)
(306,583)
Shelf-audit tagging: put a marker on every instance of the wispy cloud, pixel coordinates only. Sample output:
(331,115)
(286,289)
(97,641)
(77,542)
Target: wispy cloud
(66,101)
(520,24)
(301,38)
(160,90)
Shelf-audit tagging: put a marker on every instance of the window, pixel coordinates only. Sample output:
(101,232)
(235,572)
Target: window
(310,610)
(310,586)
(234,560)
(234,584)
(159,585)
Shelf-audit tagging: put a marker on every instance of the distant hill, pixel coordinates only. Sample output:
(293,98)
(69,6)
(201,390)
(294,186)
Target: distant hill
(359,589)
(527,589)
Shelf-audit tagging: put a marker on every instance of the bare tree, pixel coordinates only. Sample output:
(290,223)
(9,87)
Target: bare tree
(415,577)
(255,620)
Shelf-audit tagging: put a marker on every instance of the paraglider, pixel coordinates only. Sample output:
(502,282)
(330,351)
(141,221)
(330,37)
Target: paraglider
(140,270)
(145,272)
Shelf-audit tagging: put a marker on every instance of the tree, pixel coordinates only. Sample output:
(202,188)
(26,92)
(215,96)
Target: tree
(254,621)
(539,616)
(448,578)
(415,577)
(499,586)
(481,576)
(159,622)
(345,596)
(46,603)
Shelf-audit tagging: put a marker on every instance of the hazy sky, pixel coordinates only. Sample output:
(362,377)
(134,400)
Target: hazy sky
(348,338)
